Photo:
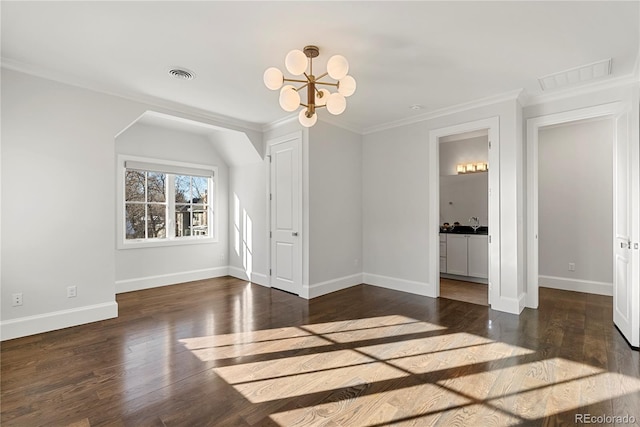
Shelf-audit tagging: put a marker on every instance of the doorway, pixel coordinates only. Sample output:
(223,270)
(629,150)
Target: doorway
(464,216)
(491,126)
(626,300)
(285,213)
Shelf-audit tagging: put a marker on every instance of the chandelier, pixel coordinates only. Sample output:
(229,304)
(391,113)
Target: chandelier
(296,63)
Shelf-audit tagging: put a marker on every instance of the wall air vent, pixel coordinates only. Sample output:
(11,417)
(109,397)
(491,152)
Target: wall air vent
(182,74)
(576,75)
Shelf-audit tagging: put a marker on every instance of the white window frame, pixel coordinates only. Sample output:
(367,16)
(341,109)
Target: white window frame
(123,243)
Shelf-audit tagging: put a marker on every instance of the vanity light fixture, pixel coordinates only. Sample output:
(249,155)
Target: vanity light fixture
(463,168)
(296,63)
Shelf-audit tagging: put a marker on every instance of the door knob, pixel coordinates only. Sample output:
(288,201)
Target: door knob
(295,233)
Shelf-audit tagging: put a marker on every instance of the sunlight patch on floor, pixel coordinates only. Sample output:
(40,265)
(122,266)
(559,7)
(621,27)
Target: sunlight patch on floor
(291,366)
(543,388)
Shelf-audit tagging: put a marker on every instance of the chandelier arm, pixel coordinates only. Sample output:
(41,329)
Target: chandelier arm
(296,80)
(327,83)
(322,75)
(320,106)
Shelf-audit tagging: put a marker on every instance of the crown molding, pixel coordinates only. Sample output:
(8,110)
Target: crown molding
(482,102)
(341,124)
(279,122)
(586,89)
(294,117)
(238,124)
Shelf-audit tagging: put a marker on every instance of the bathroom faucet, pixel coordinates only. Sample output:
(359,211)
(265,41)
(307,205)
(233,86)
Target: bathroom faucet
(475,222)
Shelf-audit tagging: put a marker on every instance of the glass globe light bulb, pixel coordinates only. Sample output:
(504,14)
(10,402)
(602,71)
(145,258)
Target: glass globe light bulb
(336,104)
(296,62)
(347,86)
(337,67)
(307,121)
(273,78)
(289,98)
(323,100)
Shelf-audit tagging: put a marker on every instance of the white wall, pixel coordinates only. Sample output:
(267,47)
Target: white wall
(575,202)
(58,200)
(335,208)
(140,268)
(248,227)
(395,207)
(58,197)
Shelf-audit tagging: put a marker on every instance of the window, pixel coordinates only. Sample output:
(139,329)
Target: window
(166,204)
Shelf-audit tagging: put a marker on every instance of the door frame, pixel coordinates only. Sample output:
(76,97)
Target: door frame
(492,124)
(298,135)
(533,127)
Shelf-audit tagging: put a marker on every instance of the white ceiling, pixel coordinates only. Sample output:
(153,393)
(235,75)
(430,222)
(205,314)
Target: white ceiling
(435,54)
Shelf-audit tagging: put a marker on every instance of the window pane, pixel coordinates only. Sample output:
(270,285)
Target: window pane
(200,220)
(134,221)
(134,186)
(156,186)
(183,220)
(183,189)
(199,188)
(156,220)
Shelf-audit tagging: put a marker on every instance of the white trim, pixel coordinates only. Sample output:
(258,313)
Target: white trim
(31,325)
(576,285)
(483,102)
(139,283)
(403,285)
(533,127)
(478,280)
(326,119)
(509,305)
(279,122)
(257,278)
(323,288)
(231,122)
(433,162)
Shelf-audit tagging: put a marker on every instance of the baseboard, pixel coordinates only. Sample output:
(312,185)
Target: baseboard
(323,288)
(257,278)
(576,285)
(465,278)
(31,325)
(509,305)
(147,282)
(418,288)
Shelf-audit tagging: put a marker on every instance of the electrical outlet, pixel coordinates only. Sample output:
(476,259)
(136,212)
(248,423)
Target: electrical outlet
(356,262)
(572,266)
(16,299)
(72,291)
(222,256)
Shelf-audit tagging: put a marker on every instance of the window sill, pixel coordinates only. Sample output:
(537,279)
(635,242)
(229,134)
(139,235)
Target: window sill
(159,243)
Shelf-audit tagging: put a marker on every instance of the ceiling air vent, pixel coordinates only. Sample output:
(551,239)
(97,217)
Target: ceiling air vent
(576,75)
(182,74)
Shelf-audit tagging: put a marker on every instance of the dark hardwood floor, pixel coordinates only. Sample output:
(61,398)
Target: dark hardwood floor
(224,352)
(475,293)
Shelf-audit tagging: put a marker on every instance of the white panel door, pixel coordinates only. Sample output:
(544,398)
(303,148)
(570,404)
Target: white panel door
(285,208)
(625,311)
